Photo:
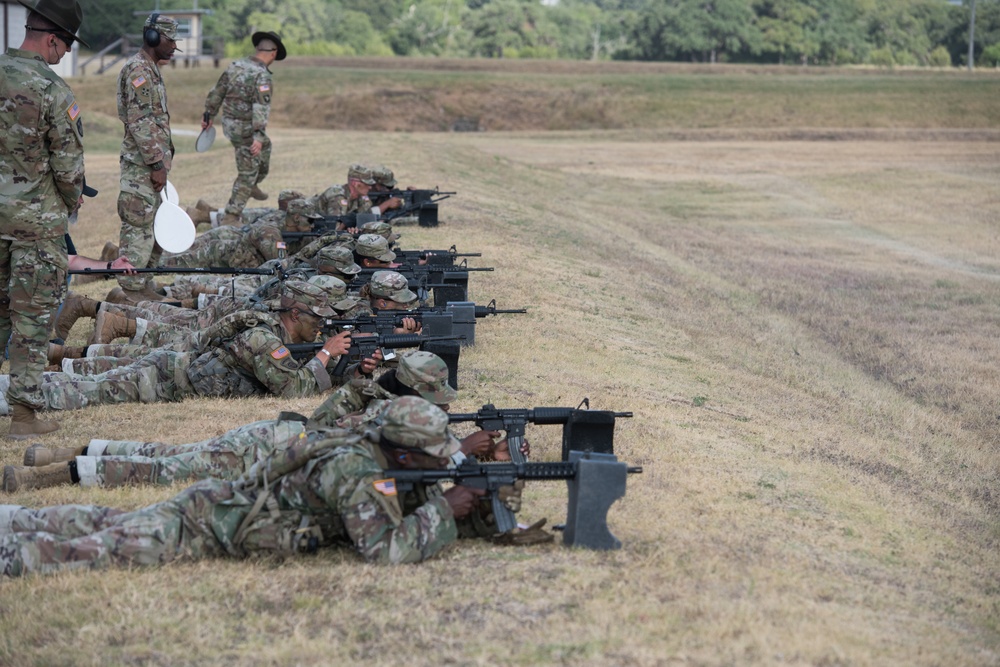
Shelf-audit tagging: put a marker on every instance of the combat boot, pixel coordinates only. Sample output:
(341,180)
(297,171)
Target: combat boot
(258,194)
(40,455)
(110,252)
(24,423)
(109,326)
(75,307)
(230,220)
(198,215)
(203,205)
(131,297)
(59,352)
(22,478)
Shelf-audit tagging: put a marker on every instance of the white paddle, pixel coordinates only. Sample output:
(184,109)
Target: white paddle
(205,139)
(173,228)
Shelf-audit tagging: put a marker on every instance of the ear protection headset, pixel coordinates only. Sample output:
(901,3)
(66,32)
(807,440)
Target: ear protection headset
(150,35)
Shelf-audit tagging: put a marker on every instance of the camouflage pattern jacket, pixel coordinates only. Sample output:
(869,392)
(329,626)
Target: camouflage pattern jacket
(335,200)
(339,481)
(258,350)
(142,107)
(41,148)
(244,93)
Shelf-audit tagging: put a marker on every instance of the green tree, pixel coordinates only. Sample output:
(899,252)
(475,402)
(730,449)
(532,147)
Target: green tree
(502,26)
(705,30)
(787,29)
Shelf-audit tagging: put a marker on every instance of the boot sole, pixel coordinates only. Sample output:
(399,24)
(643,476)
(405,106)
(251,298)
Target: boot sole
(31,456)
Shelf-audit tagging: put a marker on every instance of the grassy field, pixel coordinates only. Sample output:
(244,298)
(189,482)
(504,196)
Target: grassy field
(805,331)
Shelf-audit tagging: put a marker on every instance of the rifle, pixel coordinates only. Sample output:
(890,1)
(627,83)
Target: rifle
(436,320)
(513,421)
(436,257)
(595,482)
(363,347)
(222,271)
(422,202)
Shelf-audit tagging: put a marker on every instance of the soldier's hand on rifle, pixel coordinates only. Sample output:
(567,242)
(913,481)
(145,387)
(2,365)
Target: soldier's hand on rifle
(463,499)
(501,450)
(368,365)
(256,147)
(123,263)
(480,443)
(390,203)
(338,345)
(409,326)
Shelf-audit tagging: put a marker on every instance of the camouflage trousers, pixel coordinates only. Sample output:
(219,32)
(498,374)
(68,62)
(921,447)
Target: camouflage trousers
(159,376)
(228,456)
(224,247)
(32,285)
(137,206)
(199,522)
(250,170)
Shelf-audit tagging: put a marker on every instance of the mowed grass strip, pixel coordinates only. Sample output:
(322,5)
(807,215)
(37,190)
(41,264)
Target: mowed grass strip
(805,340)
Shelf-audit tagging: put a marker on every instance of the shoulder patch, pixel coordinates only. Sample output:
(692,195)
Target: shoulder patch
(280,353)
(138,81)
(266,87)
(387,487)
(73,111)
(343,202)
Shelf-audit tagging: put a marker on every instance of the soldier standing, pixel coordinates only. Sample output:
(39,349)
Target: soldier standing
(41,181)
(244,94)
(147,149)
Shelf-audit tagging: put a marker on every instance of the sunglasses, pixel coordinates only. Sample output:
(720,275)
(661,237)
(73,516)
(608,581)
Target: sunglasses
(61,34)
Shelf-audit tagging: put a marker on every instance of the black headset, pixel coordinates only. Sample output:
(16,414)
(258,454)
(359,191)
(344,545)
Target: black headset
(150,35)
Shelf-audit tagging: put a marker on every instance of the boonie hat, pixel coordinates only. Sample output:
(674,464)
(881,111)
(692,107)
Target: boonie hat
(427,374)
(412,421)
(374,246)
(311,296)
(391,285)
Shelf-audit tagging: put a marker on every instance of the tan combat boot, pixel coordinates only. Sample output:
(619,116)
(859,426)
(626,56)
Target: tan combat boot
(230,220)
(110,252)
(40,455)
(258,194)
(21,478)
(203,205)
(198,216)
(109,326)
(132,297)
(75,307)
(24,423)
(59,352)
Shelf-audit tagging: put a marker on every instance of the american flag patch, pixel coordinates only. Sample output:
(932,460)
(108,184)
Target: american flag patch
(280,353)
(387,487)
(281,245)
(73,111)
(138,81)
(266,87)
(343,202)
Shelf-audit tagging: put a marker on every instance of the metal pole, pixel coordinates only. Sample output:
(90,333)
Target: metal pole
(972,36)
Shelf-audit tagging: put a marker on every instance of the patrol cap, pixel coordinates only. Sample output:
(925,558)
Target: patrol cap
(334,287)
(362,173)
(337,256)
(374,246)
(67,14)
(427,374)
(383,229)
(164,25)
(412,421)
(286,196)
(311,296)
(302,207)
(391,285)
(259,37)
(383,176)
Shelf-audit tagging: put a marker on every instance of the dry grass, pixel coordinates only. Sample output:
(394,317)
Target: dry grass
(805,332)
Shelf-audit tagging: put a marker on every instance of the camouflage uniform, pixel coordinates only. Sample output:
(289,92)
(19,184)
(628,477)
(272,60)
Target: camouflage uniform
(335,200)
(244,94)
(245,247)
(41,179)
(327,488)
(142,107)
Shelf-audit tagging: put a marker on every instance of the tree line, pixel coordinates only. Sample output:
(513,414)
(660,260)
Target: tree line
(804,32)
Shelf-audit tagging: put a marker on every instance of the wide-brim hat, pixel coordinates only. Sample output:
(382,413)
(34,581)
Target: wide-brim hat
(67,14)
(274,37)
